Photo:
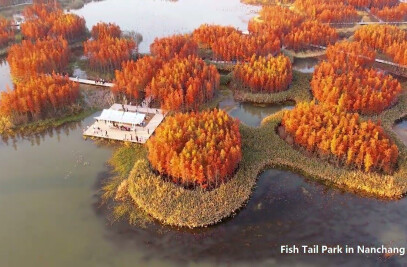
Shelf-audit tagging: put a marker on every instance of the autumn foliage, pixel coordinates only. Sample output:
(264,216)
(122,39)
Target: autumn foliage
(177,45)
(102,30)
(396,13)
(326,130)
(350,54)
(6,32)
(379,37)
(134,76)
(388,39)
(358,3)
(108,53)
(265,75)
(398,52)
(38,96)
(242,47)
(43,56)
(277,19)
(345,80)
(310,33)
(202,149)
(383,3)
(47,21)
(333,11)
(184,84)
(206,35)
(360,90)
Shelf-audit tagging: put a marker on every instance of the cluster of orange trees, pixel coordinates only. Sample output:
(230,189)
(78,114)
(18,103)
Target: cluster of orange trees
(43,56)
(230,44)
(242,47)
(371,3)
(202,149)
(382,3)
(386,38)
(39,95)
(350,55)
(310,33)
(102,30)
(6,32)
(177,45)
(49,21)
(396,13)
(108,51)
(174,76)
(379,37)
(264,74)
(206,35)
(327,11)
(326,130)
(277,19)
(134,77)
(345,81)
(184,83)
(398,52)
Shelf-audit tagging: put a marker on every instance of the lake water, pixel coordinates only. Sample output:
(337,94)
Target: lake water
(50,216)
(250,114)
(49,185)
(159,18)
(5,77)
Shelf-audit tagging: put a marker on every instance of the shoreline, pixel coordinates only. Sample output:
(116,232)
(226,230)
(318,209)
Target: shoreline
(262,149)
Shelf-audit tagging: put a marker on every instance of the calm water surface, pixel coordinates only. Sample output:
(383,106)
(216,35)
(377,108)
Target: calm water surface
(159,18)
(50,216)
(305,65)
(49,185)
(5,78)
(248,113)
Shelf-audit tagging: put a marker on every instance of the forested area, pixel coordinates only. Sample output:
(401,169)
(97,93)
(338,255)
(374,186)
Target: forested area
(328,131)
(197,149)
(264,74)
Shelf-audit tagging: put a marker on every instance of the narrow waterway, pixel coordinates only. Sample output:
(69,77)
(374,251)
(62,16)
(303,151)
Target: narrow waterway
(49,185)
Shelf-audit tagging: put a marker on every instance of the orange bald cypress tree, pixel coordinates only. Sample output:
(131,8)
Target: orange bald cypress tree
(196,149)
(358,144)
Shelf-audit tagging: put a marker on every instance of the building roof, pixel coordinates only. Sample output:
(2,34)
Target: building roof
(121,116)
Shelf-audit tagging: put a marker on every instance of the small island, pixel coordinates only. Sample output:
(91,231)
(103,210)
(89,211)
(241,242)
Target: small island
(182,160)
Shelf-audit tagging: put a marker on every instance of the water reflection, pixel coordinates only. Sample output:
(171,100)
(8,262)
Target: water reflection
(400,128)
(5,77)
(37,138)
(248,113)
(154,18)
(284,209)
(306,65)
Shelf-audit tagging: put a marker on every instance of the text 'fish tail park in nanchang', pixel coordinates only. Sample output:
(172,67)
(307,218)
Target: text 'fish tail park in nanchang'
(203,132)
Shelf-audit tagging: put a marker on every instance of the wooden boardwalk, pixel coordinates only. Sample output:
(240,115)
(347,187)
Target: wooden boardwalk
(140,135)
(381,61)
(90,82)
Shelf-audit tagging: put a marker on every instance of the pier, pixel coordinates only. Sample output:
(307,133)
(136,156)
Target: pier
(90,82)
(118,129)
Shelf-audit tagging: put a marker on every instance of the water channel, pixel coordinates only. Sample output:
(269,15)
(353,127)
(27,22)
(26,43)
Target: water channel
(49,185)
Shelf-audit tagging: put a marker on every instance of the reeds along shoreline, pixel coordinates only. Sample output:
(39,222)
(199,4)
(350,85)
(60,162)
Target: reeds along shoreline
(262,148)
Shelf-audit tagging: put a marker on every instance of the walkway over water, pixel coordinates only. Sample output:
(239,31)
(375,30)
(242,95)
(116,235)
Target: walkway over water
(139,134)
(397,69)
(90,82)
(367,23)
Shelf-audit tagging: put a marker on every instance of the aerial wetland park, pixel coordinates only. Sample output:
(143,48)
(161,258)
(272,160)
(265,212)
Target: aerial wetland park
(203,132)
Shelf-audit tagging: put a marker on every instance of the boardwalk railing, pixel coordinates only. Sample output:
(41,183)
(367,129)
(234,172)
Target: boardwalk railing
(90,82)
